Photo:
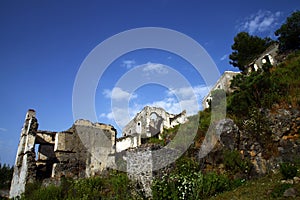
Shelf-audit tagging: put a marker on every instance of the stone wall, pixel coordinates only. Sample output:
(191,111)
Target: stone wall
(127,142)
(223,84)
(86,149)
(146,162)
(25,168)
(269,56)
(151,121)
(81,151)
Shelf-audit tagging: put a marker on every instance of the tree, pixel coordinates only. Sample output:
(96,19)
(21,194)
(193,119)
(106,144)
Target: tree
(246,48)
(289,33)
(6,173)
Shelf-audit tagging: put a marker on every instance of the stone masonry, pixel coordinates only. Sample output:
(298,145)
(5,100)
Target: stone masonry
(81,151)
(86,149)
(151,121)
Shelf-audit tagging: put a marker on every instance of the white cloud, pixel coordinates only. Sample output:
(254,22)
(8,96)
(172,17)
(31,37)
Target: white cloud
(224,57)
(3,129)
(198,91)
(190,98)
(128,63)
(262,21)
(155,68)
(120,115)
(174,101)
(118,94)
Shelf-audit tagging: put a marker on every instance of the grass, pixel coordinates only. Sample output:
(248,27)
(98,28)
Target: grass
(261,188)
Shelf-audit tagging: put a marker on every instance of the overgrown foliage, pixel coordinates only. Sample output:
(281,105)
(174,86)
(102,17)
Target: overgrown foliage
(262,89)
(288,170)
(113,186)
(188,182)
(289,33)
(246,48)
(234,163)
(279,189)
(6,173)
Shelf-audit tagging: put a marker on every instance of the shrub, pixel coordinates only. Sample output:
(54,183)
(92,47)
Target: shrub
(111,186)
(187,182)
(278,190)
(288,170)
(234,162)
(34,191)
(154,140)
(6,173)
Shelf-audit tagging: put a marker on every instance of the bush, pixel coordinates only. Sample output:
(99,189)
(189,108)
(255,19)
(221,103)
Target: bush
(193,186)
(288,170)
(234,162)
(112,186)
(34,191)
(154,140)
(187,182)
(278,190)
(6,173)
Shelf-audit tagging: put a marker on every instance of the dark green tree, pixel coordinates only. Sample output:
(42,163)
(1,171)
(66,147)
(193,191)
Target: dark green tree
(289,33)
(6,173)
(246,48)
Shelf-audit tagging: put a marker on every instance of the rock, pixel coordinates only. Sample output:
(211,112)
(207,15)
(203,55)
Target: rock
(291,192)
(296,180)
(4,194)
(228,132)
(289,181)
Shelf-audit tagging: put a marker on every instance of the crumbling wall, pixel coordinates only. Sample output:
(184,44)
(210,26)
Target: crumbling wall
(25,167)
(151,121)
(146,162)
(268,56)
(87,148)
(128,142)
(81,151)
(222,84)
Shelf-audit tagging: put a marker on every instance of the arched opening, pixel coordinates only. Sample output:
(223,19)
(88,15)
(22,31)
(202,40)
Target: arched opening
(155,123)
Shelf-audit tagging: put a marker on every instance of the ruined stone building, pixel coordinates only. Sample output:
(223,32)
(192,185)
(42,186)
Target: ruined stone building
(84,150)
(151,121)
(148,123)
(222,84)
(81,151)
(268,56)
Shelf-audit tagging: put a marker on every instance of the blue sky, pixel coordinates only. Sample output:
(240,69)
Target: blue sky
(44,43)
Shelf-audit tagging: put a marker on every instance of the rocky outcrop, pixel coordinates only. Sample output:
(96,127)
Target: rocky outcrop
(278,142)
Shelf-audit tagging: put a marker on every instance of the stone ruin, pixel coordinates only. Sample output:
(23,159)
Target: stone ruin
(59,154)
(85,149)
(149,122)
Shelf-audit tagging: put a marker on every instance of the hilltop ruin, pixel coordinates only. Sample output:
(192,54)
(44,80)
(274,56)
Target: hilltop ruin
(84,150)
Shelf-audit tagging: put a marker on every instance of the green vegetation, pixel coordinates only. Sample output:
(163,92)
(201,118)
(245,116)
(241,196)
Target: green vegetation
(288,170)
(288,33)
(112,186)
(268,187)
(234,163)
(254,92)
(279,189)
(264,89)
(246,48)
(6,173)
(188,182)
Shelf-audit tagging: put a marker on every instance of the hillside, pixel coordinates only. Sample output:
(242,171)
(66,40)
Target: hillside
(261,132)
